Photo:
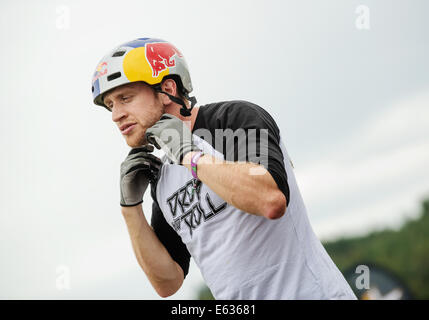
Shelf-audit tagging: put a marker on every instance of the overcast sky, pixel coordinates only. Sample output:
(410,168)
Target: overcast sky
(350,96)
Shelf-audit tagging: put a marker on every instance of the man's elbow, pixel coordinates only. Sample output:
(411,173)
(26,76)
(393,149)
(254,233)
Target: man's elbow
(276,207)
(166,290)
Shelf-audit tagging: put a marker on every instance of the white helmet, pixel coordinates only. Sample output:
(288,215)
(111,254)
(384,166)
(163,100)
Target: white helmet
(144,59)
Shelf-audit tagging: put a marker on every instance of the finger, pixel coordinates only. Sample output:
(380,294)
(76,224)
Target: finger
(148,160)
(139,168)
(153,161)
(155,130)
(152,140)
(155,165)
(154,158)
(142,158)
(146,148)
(140,155)
(152,164)
(128,166)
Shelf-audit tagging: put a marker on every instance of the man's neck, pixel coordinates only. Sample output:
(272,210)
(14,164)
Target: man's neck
(189,120)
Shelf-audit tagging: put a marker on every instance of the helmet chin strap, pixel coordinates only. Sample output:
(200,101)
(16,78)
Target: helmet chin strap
(184,111)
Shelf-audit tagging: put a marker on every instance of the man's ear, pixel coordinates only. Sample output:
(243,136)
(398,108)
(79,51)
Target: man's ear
(169,86)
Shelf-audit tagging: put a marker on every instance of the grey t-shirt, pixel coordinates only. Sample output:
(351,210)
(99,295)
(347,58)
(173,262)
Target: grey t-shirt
(240,255)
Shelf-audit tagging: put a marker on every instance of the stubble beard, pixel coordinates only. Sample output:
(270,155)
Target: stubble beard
(140,138)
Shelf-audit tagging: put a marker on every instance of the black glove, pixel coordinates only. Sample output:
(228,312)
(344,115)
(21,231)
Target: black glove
(138,169)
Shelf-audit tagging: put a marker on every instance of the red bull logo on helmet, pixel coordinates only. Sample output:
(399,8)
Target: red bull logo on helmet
(160,56)
(101,70)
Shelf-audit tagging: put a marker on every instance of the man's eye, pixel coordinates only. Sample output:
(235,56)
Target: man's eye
(126,98)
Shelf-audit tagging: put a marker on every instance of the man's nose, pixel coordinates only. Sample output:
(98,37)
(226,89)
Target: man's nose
(117,114)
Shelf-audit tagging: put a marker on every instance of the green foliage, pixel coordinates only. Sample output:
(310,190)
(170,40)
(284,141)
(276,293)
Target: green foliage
(404,252)
(205,293)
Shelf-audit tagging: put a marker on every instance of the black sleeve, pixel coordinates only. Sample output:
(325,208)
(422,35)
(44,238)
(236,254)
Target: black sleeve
(245,115)
(168,237)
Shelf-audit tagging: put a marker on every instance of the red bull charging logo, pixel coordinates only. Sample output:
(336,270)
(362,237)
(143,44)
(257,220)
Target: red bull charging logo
(161,56)
(101,70)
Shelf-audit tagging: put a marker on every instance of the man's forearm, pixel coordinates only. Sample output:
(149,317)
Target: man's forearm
(165,275)
(247,186)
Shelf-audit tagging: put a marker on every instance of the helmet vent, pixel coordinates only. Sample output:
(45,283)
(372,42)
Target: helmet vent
(114,76)
(118,53)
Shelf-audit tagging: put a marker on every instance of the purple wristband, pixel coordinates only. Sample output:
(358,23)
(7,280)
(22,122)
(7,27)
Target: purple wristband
(194,161)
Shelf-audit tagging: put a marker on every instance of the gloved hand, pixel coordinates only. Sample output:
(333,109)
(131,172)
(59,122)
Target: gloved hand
(173,136)
(137,171)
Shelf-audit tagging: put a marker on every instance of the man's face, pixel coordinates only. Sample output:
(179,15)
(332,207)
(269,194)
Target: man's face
(134,103)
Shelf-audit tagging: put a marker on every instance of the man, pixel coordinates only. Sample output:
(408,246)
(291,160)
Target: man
(224,193)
